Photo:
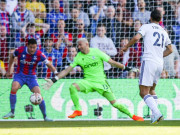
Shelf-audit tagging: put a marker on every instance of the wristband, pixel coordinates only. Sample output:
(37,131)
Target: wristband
(54,79)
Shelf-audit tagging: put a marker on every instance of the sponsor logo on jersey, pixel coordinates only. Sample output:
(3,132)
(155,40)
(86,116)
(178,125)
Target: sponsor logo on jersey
(27,62)
(91,65)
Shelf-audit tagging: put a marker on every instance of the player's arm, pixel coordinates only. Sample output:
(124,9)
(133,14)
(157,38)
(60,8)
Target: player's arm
(62,74)
(132,42)
(52,68)
(168,50)
(118,65)
(11,61)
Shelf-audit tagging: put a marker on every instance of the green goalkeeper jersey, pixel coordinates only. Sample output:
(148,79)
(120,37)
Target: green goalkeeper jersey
(92,64)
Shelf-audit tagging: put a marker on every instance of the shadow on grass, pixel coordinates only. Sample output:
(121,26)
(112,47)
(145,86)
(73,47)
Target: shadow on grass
(59,124)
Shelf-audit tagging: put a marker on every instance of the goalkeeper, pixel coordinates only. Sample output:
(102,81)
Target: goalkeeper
(91,61)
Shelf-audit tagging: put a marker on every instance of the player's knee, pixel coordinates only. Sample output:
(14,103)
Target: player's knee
(72,89)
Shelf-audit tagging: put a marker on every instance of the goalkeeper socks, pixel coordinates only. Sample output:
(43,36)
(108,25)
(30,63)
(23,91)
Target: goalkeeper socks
(42,107)
(149,100)
(122,108)
(13,101)
(74,97)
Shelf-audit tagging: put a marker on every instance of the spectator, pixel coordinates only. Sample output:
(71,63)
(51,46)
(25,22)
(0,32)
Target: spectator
(11,6)
(127,21)
(62,39)
(71,23)
(133,73)
(177,13)
(104,44)
(39,11)
(20,18)
(169,16)
(54,16)
(171,63)
(128,58)
(97,13)
(81,33)
(31,32)
(76,72)
(142,14)
(82,15)
(4,45)
(4,16)
(112,25)
(53,56)
(138,47)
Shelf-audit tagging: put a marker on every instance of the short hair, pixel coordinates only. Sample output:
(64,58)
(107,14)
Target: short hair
(101,25)
(82,39)
(2,0)
(30,25)
(32,41)
(156,15)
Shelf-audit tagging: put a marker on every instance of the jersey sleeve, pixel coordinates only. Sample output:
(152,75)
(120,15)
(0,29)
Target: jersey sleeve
(103,56)
(75,62)
(142,30)
(168,41)
(43,58)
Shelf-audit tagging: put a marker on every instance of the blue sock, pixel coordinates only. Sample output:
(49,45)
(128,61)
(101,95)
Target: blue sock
(12,102)
(42,107)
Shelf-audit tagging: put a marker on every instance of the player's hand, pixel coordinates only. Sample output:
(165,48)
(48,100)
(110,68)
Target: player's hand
(8,74)
(127,68)
(48,84)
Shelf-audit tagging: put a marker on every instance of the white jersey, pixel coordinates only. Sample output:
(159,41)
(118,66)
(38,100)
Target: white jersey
(155,40)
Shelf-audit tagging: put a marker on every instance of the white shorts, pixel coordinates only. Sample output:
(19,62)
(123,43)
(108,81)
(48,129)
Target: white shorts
(150,73)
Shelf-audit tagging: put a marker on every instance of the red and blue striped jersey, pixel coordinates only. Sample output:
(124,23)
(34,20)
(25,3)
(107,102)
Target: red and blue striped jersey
(5,20)
(27,63)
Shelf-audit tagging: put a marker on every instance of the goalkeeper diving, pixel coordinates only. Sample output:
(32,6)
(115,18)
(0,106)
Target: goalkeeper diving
(91,61)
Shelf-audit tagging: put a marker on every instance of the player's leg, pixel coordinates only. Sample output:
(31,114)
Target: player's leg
(111,98)
(81,86)
(74,88)
(34,87)
(15,86)
(153,93)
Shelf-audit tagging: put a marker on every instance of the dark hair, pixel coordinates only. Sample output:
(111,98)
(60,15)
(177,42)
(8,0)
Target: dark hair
(156,15)
(2,0)
(101,25)
(32,41)
(30,25)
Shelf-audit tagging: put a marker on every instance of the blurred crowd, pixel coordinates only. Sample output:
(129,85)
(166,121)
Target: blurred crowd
(107,24)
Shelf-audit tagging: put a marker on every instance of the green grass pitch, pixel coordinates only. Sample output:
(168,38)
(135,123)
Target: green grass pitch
(165,127)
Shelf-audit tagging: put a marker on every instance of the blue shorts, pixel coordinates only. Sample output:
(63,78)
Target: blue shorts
(29,80)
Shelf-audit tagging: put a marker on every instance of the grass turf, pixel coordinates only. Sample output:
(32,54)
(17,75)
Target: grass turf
(89,128)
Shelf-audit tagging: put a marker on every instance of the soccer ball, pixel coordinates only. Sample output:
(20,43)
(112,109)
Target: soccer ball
(36,98)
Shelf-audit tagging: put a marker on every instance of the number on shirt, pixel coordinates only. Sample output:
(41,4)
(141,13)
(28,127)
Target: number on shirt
(156,43)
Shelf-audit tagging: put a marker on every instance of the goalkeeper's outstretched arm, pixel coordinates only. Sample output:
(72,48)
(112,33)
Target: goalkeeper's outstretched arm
(118,65)
(62,74)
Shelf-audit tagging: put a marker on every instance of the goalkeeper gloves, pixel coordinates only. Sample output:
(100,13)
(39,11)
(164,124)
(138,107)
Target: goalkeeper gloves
(49,83)
(127,68)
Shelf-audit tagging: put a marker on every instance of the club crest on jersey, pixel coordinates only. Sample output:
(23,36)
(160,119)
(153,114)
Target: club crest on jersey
(93,57)
(35,57)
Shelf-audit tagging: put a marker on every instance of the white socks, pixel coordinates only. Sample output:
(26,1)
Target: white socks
(151,103)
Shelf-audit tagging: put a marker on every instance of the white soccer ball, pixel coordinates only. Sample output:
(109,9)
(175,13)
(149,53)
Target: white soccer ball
(36,98)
